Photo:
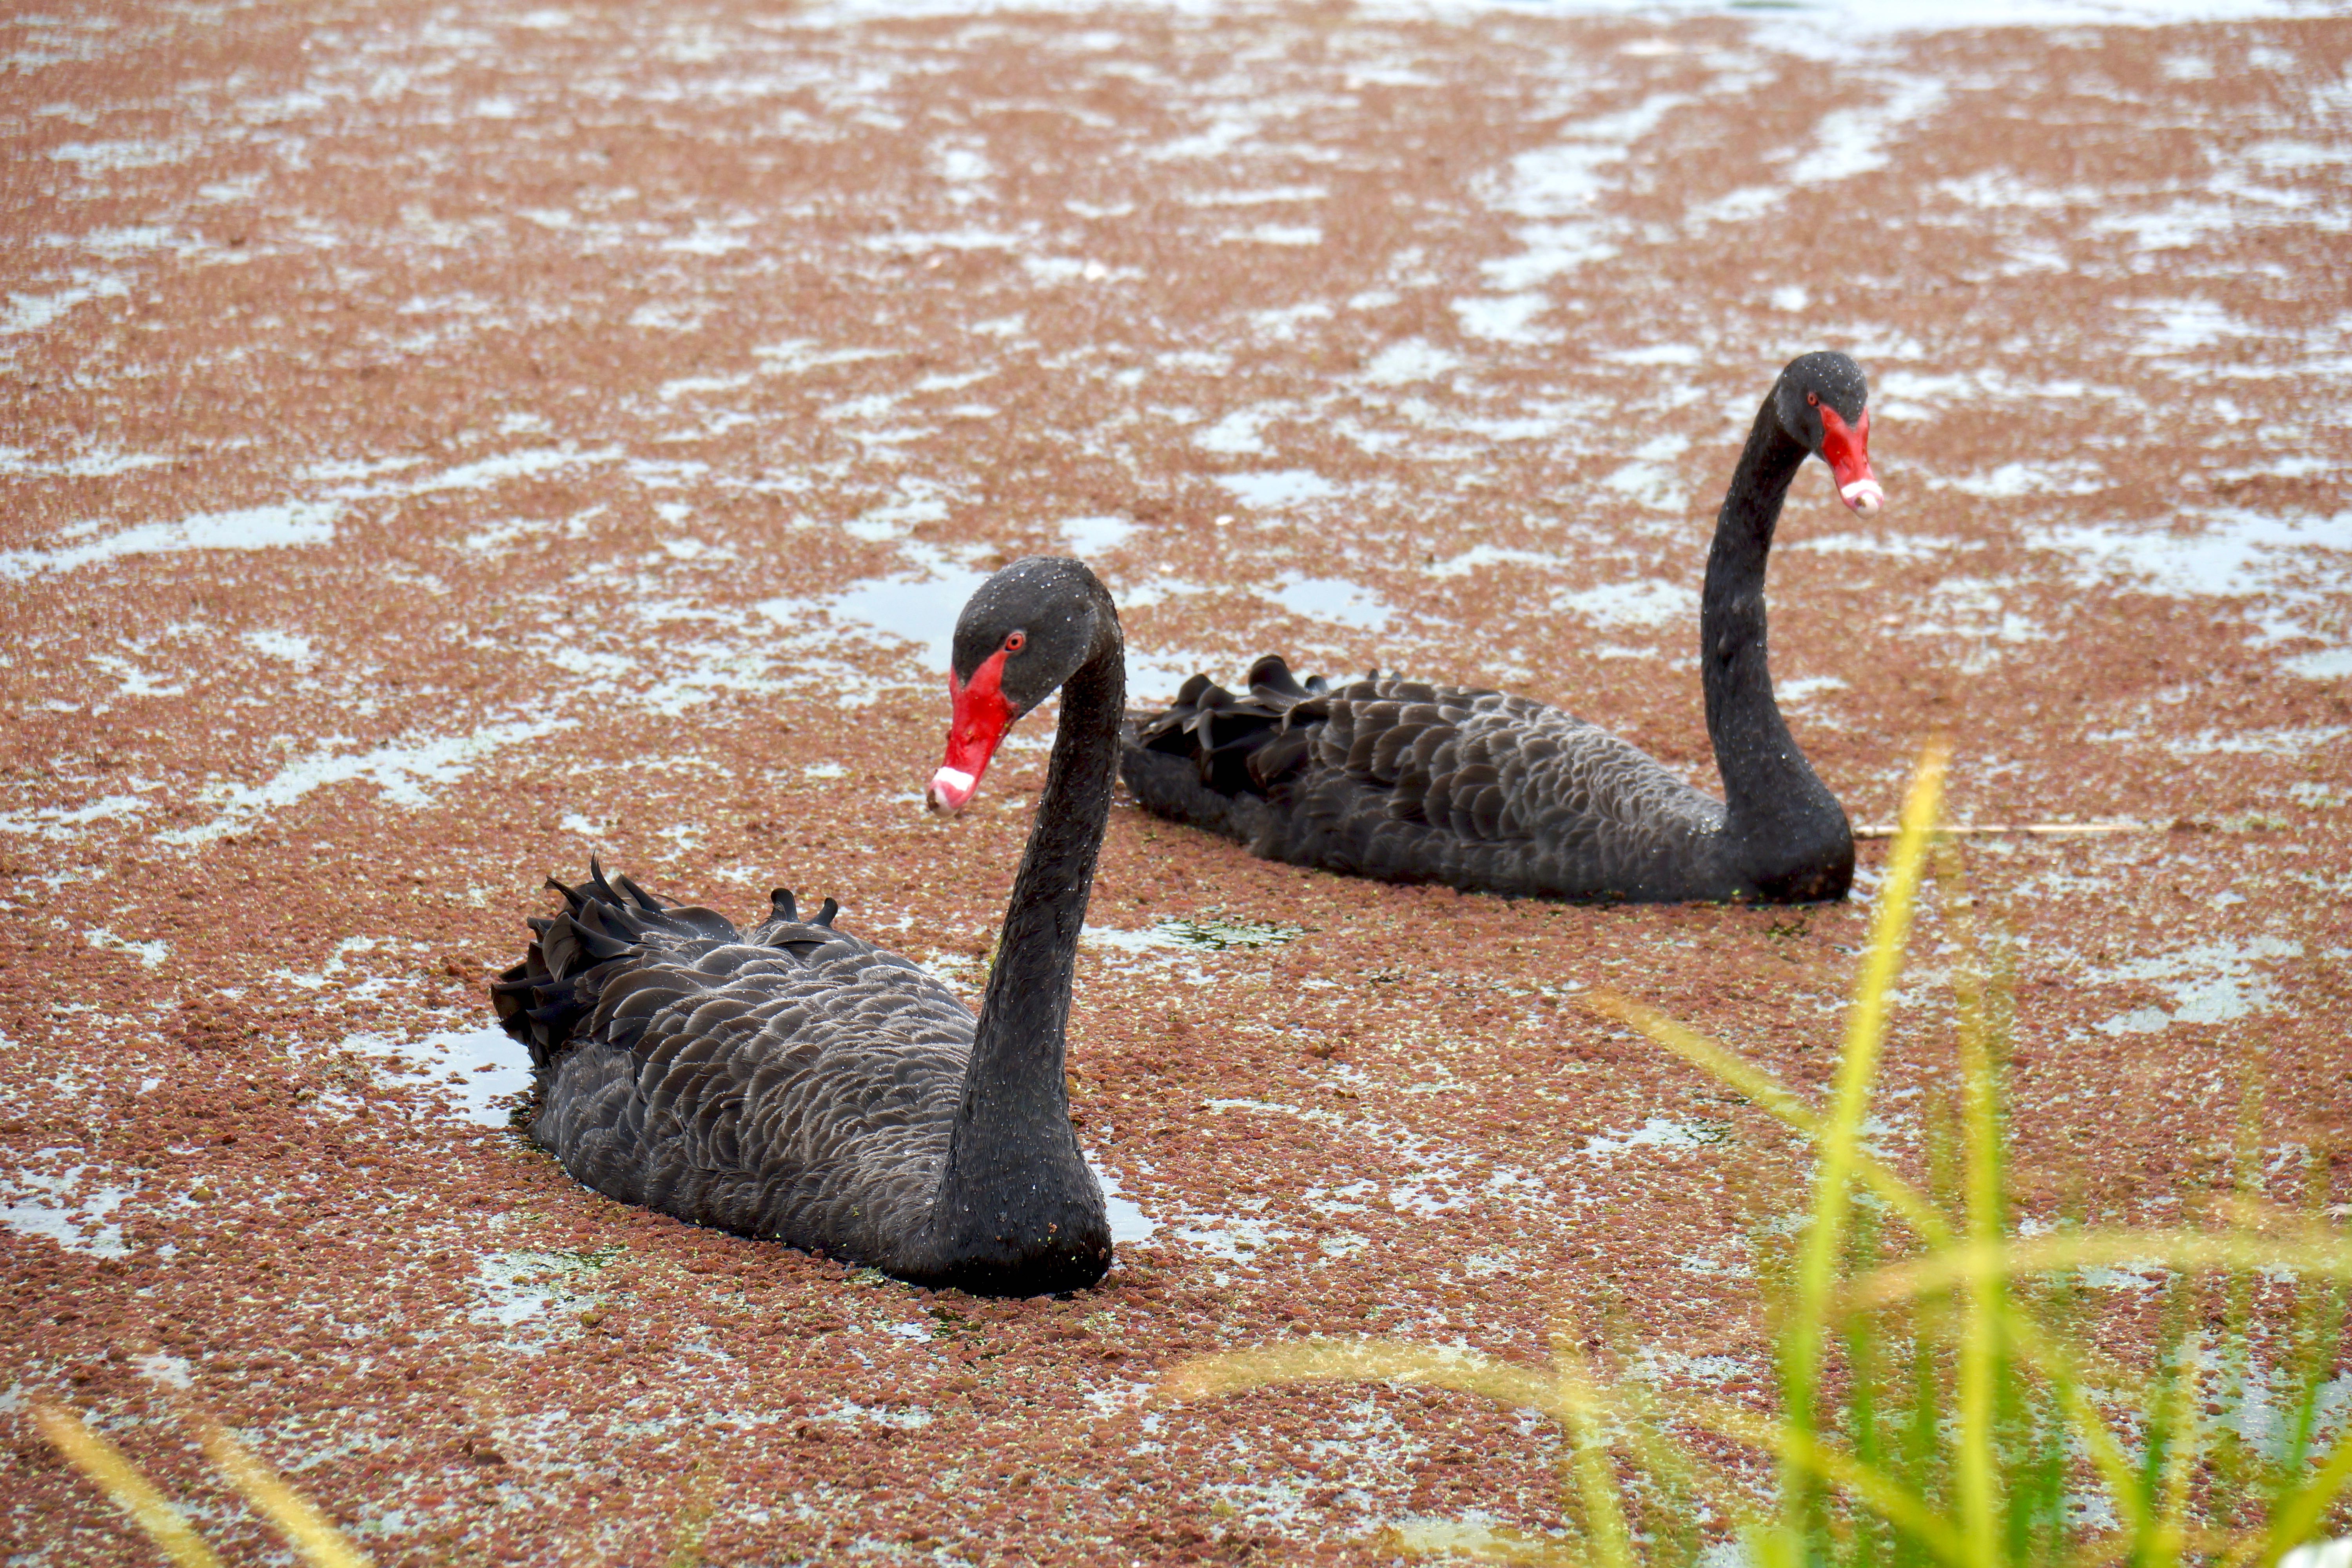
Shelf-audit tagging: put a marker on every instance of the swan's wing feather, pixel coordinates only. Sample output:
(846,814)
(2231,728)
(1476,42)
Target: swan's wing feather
(1211,757)
(1414,782)
(800,1086)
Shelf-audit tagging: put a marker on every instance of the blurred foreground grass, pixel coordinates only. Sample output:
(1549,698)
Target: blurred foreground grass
(1947,1393)
(317,1541)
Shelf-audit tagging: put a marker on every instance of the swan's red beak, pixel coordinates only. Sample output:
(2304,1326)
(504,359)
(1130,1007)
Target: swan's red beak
(982,716)
(1846,450)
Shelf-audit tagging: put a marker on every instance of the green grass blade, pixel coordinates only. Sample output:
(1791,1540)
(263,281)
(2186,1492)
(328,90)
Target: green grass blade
(1941,1407)
(2296,1519)
(1676,1542)
(1864,1402)
(2319,1327)
(2057,1365)
(1922,1449)
(1857,1073)
(1825,1462)
(1977,1465)
(2185,1394)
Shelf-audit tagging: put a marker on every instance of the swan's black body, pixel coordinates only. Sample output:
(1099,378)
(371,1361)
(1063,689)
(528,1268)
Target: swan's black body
(796,1083)
(1409,782)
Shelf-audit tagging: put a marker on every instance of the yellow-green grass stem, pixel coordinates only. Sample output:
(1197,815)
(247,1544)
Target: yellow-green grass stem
(1569,1396)
(2188,1251)
(1976,1466)
(125,1485)
(2296,1519)
(1479,1542)
(2024,1336)
(2230,1549)
(310,1531)
(2057,1365)
(1580,1410)
(1567,1393)
(1805,1453)
(2187,1390)
(1775,1098)
(1857,1074)
(1362,1360)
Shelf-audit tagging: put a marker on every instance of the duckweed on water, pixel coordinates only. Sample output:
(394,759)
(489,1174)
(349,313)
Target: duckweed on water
(1948,1395)
(1222,933)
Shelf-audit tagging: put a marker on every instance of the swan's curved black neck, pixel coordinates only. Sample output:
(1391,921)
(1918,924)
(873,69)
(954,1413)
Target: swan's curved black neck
(1789,837)
(1016,1209)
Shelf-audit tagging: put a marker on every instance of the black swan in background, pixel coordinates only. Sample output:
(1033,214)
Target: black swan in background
(796,1083)
(1408,783)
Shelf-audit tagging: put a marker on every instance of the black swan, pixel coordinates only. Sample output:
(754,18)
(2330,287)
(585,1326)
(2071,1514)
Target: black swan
(1490,792)
(793,1082)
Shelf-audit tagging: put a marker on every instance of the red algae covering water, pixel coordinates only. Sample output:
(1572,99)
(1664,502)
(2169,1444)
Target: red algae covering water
(440,441)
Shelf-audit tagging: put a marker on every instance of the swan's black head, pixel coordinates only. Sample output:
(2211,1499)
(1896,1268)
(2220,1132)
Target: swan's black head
(1024,631)
(1822,402)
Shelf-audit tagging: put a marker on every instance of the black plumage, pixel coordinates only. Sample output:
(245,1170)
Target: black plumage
(1491,793)
(795,1082)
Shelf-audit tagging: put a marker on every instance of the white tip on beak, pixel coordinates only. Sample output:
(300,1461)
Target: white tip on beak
(951,787)
(1864,497)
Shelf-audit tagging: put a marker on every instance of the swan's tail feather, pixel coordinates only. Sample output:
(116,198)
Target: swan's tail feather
(1210,750)
(606,923)
(614,954)
(645,900)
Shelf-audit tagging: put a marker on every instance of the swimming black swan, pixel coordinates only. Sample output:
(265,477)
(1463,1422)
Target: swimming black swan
(797,1083)
(1490,792)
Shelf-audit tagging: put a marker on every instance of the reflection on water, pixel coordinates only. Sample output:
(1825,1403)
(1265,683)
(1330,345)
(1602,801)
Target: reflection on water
(2205,983)
(1221,934)
(255,527)
(512,1287)
(1275,490)
(1128,1223)
(1647,603)
(1155,677)
(1661,1132)
(2328,664)
(1336,600)
(2229,553)
(919,606)
(1091,536)
(64,1208)
(1201,933)
(1482,555)
(481,1071)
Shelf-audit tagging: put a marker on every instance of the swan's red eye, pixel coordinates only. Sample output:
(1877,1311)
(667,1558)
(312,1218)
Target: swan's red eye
(1812,400)
(1016,641)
